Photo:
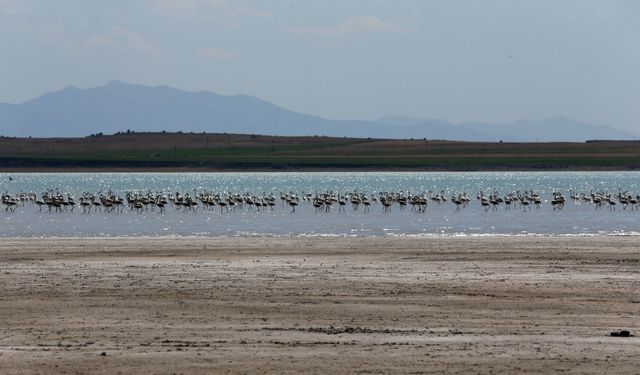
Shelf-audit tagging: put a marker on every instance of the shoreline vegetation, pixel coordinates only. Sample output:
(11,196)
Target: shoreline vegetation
(183,152)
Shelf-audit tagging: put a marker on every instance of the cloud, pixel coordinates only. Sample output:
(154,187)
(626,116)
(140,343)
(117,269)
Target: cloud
(115,38)
(254,13)
(217,54)
(7,6)
(208,8)
(134,41)
(122,39)
(357,24)
(193,6)
(103,42)
(46,33)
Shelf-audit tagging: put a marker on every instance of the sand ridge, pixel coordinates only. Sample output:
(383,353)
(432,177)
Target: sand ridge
(319,305)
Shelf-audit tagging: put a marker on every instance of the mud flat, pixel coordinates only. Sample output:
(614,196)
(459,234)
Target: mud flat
(319,305)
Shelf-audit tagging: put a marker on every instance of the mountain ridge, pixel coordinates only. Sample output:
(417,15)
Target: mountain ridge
(118,106)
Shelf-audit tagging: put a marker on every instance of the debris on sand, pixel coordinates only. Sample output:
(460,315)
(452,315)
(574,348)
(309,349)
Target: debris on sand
(621,333)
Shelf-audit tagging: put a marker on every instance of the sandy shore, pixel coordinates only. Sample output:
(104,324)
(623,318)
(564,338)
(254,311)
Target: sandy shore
(284,305)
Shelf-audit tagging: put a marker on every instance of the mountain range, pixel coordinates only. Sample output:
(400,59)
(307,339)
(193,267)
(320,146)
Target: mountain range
(118,106)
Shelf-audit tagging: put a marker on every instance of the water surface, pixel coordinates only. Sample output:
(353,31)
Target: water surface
(439,220)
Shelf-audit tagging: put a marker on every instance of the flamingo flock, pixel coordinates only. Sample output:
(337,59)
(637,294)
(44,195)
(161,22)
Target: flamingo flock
(53,201)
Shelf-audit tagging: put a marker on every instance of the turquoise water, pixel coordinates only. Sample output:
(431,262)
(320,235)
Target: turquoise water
(439,220)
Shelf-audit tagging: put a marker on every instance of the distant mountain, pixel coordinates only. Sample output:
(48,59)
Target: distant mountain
(437,129)
(553,129)
(117,106)
(558,129)
(404,121)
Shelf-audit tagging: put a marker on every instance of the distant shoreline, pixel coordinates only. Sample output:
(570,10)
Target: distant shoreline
(279,170)
(202,152)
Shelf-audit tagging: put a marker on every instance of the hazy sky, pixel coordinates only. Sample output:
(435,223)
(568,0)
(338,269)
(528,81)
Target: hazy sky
(490,60)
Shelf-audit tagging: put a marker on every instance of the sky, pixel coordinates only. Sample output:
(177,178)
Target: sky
(494,61)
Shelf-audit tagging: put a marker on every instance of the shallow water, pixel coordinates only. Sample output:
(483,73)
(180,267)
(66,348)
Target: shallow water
(439,220)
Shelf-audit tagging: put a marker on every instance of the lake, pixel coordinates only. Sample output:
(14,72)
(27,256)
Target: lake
(576,218)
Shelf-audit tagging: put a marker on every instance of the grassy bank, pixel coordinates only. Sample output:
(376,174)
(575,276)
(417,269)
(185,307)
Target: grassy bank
(237,152)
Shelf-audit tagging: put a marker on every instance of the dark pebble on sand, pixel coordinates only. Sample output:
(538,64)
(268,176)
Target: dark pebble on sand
(621,333)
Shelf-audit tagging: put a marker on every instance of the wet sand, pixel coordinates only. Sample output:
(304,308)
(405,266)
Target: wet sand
(319,305)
